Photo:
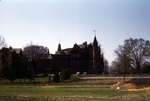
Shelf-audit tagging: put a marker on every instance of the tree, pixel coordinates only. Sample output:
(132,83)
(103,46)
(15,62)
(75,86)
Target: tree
(3,56)
(9,64)
(65,74)
(33,67)
(136,51)
(146,69)
(16,64)
(106,66)
(34,53)
(56,77)
(115,67)
(120,52)
(2,42)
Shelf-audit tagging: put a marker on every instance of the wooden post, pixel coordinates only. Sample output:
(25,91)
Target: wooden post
(124,66)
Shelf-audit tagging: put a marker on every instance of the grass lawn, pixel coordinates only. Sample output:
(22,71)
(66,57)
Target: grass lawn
(82,90)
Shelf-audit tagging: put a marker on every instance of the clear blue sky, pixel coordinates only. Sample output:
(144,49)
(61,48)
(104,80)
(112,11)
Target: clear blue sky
(49,22)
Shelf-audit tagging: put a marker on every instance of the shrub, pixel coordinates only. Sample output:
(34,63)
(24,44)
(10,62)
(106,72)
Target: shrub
(65,74)
(56,78)
(49,78)
(12,75)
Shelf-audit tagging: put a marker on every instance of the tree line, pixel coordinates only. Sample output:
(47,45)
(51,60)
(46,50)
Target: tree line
(20,66)
(136,52)
(137,57)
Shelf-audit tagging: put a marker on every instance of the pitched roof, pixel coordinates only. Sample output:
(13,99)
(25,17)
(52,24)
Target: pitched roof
(64,51)
(81,46)
(46,56)
(95,42)
(59,47)
(59,52)
(67,50)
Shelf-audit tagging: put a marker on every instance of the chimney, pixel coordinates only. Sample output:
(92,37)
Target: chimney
(85,43)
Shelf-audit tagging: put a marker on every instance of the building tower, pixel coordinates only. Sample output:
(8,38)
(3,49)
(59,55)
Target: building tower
(95,51)
(59,47)
(97,57)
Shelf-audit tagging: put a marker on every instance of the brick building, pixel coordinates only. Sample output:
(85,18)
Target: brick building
(81,58)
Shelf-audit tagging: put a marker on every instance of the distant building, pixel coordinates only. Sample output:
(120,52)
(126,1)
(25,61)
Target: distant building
(45,63)
(61,59)
(81,58)
(10,59)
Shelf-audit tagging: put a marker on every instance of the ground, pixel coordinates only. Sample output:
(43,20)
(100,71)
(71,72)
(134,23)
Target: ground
(75,89)
(133,84)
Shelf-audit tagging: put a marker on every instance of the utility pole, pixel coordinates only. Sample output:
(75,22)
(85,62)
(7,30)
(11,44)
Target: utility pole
(124,66)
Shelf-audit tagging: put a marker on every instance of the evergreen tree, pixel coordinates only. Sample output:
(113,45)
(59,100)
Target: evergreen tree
(56,78)
(65,74)
(9,64)
(1,63)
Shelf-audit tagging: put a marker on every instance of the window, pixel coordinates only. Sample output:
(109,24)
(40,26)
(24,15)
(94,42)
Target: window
(75,62)
(76,55)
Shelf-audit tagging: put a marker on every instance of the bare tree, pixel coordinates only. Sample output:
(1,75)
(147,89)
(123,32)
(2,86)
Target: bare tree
(2,42)
(120,52)
(137,51)
(35,52)
(106,66)
(115,67)
(3,56)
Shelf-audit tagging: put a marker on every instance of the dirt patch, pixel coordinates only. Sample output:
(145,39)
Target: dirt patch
(133,84)
(71,80)
(130,86)
(22,95)
(93,81)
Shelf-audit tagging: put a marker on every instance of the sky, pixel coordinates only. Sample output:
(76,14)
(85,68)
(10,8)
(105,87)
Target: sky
(50,22)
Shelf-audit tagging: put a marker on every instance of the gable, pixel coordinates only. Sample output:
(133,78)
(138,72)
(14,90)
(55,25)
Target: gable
(76,49)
